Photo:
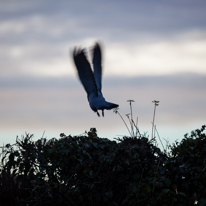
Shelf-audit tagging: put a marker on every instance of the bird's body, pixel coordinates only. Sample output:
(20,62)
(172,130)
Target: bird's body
(92,81)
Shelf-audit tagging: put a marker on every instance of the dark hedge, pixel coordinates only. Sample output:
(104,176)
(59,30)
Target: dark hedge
(88,170)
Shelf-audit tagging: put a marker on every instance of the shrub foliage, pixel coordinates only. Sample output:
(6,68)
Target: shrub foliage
(88,170)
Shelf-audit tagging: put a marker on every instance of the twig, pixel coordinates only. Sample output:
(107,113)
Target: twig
(116,111)
(156,104)
(159,138)
(130,103)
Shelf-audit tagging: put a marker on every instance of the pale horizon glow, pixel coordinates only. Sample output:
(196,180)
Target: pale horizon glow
(162,56)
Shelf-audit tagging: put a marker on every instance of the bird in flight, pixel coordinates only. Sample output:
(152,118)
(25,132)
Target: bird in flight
(92,80)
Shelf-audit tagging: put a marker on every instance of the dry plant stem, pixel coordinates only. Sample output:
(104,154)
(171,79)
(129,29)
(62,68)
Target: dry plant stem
(167,144)
(132,129)
(124,122)
(136,125)
(153,120)
(43,134)
(137,130)
(159,138)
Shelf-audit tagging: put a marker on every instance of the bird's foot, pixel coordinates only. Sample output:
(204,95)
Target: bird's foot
(103,113)
(98,114)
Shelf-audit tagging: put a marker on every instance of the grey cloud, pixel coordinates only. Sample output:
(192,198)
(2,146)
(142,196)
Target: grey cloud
(34,35)
(83,19)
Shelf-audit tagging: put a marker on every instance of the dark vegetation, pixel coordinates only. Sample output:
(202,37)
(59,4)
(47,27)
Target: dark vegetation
(88,170)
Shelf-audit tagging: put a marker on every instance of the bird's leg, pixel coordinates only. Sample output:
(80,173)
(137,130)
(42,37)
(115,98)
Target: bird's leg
(98,113)
(103,113)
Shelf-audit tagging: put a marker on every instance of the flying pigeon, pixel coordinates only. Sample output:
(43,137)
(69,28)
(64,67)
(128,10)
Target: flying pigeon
(92,80)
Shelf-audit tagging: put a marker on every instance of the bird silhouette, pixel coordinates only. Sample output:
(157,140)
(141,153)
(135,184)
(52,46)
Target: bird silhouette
(92,80)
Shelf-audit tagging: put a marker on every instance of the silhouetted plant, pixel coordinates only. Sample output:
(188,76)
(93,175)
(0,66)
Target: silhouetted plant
(156,103)
(88,170)
(133,125)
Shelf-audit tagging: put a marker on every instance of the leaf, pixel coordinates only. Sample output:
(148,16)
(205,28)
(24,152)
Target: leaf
(165,191)
(182,194)
(202,202)
(16,153)
(166,181)
(109,194)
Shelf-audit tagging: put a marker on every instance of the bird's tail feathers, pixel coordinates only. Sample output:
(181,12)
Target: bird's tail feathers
(111,105)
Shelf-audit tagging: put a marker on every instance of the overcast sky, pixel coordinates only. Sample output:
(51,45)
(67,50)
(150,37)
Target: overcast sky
(152,50)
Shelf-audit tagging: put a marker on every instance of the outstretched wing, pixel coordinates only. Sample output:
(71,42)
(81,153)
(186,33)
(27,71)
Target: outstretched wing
(97,60)
(84,71)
